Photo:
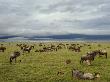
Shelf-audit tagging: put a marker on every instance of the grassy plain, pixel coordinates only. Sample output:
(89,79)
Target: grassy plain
(43,67)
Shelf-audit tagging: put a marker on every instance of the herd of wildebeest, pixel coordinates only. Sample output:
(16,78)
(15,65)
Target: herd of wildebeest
(87,58)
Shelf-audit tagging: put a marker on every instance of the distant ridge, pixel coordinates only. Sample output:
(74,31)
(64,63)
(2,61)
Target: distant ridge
(75,36)
(66,36)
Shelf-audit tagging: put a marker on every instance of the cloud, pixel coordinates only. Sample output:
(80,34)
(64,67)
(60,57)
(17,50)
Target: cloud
(51,17)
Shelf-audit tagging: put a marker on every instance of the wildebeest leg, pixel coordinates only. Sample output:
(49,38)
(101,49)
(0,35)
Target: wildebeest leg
(72,73)
(28,51)
(3,50)
(93,58)
(10,60)
(81,61)
(106,55)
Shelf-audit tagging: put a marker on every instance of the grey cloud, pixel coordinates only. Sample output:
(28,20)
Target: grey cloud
(51,17)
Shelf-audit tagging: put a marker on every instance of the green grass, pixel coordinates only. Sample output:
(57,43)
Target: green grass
(43,67)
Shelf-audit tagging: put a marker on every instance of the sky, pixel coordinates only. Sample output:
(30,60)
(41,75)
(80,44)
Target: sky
(54,17)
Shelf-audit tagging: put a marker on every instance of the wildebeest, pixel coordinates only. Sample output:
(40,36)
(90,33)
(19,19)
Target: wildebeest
(68,61)
(87,57)
(84,76)
(14,55)
(19,45)
(90,57)
(75,48)
(102,52)
(60,73)
(2,48)
(40,50)
(28,49)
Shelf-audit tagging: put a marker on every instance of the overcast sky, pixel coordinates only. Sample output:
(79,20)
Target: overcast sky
(54,17)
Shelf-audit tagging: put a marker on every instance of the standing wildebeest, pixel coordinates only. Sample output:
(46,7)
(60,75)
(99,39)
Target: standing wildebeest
(89,57)
(77,49)
(102,52)
(14,56)
(2,48)
(27,49)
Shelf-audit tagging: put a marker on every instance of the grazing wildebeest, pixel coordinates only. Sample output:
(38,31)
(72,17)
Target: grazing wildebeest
(89,57)
(27,49)
(102,52)
(2,48)
(78,49)
(40,44)
(19,45)
(75,48)
(32,46)
(40,50)
(84,76)
(14,56)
